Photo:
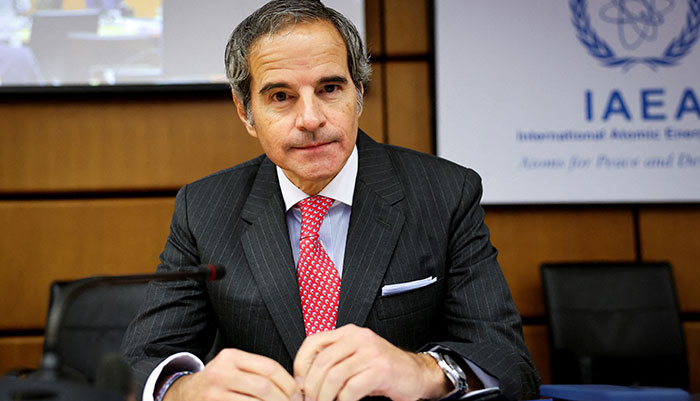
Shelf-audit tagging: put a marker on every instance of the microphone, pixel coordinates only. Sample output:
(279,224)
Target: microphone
(113,376)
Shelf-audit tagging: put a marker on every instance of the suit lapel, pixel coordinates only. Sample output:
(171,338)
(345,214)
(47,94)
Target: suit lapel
(267,249)
(375,225)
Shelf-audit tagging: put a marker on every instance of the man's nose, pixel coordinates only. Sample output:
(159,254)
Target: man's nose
(310,116)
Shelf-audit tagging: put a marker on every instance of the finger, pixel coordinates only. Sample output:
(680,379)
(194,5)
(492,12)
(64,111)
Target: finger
(239,397)
(361,385)
(216,394)
(337,376)
(311,346)
(206,385)
(265,367)
(327,360)
(256,386)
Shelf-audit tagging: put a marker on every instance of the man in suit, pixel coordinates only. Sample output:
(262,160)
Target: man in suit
(401,263)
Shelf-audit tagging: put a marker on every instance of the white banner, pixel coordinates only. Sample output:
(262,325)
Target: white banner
(572,101)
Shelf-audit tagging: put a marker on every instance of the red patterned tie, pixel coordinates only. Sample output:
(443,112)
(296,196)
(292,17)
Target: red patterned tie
(319,283)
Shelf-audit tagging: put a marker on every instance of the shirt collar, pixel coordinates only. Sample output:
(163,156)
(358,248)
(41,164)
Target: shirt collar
(341,187)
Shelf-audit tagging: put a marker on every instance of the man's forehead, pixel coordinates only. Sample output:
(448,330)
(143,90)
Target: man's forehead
(313,50)
(285,30)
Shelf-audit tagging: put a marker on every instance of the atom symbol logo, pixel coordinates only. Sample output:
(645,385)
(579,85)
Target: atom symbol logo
(637,20)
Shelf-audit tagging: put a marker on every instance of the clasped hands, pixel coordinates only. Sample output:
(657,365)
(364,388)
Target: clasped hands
(345,364)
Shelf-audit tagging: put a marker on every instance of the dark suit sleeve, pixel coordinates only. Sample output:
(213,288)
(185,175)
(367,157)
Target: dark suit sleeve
(481,321)
(175,316)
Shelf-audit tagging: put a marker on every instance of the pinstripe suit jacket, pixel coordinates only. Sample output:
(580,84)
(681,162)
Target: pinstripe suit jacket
(413,216)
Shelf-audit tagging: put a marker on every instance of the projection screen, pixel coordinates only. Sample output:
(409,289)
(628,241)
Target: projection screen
(54,43)
(574,101)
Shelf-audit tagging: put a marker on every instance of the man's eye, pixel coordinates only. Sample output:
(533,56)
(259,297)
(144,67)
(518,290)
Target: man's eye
(279,96)
(330,88)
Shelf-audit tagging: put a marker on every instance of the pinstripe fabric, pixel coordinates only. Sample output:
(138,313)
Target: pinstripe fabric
(414,216)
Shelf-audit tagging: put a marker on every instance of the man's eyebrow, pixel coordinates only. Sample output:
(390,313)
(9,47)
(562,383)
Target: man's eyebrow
(334,79)
(325,80)
(273,85)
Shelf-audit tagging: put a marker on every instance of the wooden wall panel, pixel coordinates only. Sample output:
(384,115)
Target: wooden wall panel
(408,105)
(372,118)
(117,145)
(373,27)
(44,241)
(528,236)
(406,27)
(692,340)
(130,145)
(538,343)
(673,233)
(20,352)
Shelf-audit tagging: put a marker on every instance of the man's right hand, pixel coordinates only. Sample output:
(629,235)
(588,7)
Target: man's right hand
(235,374)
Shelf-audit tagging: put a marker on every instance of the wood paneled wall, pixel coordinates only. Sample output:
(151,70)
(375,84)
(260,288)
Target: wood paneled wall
(87,186)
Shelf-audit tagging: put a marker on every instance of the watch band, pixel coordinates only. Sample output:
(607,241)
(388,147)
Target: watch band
(453,372)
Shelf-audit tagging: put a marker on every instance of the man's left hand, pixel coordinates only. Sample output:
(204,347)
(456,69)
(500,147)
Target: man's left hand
(351,362)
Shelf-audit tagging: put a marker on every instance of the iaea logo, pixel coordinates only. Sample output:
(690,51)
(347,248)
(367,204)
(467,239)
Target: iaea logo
(637,26)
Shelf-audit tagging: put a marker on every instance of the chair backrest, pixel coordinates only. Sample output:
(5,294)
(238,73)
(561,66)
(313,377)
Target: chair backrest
(94,324)
(614,323)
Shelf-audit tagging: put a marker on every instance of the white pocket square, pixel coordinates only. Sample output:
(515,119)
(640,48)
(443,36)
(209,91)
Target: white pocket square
(391,289)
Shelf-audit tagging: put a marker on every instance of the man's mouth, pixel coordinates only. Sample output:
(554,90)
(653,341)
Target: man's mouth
(310,146)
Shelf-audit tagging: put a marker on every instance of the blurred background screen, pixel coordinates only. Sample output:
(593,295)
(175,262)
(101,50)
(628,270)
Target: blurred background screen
(54,43)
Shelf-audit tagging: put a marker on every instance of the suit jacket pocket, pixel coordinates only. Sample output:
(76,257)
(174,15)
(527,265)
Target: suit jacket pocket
(409,302)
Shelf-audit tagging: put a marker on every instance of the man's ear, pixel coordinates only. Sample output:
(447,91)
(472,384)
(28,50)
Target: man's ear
(362,107)
(240,108)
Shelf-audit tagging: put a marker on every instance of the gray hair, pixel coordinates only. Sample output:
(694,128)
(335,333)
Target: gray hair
(279,14)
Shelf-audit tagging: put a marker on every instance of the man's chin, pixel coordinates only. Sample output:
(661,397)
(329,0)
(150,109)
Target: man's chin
(316,179)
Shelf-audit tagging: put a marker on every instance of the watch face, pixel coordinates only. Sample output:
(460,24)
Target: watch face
(453,372)
(451,361)
(453,364)
(459,375)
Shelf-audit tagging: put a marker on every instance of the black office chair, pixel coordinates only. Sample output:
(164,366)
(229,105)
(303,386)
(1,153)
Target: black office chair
(94,321)
(614,323)
(84,329)
(93,325)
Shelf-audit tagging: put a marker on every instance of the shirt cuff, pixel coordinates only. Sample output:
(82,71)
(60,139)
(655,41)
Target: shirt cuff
(486,379)
(182,361)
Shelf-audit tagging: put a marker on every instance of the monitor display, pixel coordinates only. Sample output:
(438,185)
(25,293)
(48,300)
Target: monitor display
(58,43)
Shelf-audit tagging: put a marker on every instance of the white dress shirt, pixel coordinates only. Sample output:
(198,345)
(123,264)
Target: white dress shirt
(333,233)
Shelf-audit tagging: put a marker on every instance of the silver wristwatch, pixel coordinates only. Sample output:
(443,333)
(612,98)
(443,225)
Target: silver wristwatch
(453,372)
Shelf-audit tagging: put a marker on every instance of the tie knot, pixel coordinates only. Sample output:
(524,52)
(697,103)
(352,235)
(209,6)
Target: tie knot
(313,210)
